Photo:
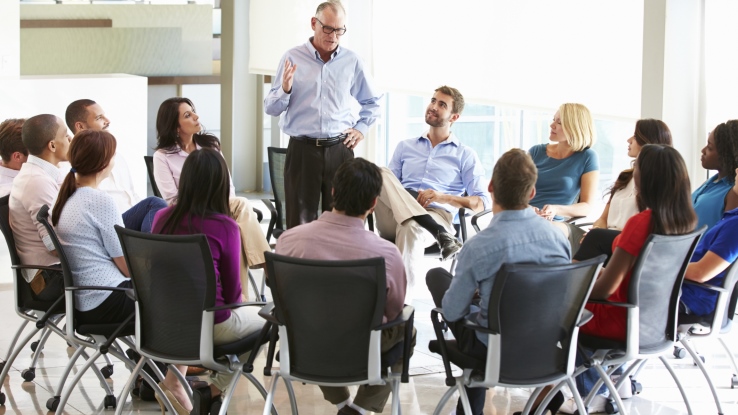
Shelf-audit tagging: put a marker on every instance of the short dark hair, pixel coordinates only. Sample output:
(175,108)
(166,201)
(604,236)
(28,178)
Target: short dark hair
(77,112)
(11,140)
(454,93)
(38,131)
(513,178)
(355,186)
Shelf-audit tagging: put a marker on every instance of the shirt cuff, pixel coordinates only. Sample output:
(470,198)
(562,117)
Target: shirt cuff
(47,242)
(362,128)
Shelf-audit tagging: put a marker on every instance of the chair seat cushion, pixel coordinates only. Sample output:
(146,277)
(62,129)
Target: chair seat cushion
(240,346)
(693,319)
(106,330)
(456,356)
(600,343)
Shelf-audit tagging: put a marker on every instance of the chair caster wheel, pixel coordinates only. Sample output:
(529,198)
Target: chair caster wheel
(636,387)
(109,402)
(701,358)
(2,398)
(611,407)
(733,382)
(107,371)
(28,374)
(53,403)
(680,352)
(34,345)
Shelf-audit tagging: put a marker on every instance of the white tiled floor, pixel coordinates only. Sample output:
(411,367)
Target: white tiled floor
(420,396)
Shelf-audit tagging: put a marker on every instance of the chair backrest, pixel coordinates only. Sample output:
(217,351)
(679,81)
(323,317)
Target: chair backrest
(277,158)
(535,309)
(174,281)
(23,294)
(328,310)
(150,170)
(655,287)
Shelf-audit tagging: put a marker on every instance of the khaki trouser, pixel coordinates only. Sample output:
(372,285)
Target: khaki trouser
(242,322)
(253,241)
(394,212)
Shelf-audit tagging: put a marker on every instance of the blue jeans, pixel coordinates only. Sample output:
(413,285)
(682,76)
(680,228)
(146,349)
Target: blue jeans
(587,380)
(141,216)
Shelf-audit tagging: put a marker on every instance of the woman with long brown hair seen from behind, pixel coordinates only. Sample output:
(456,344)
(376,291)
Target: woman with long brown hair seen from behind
(202,206)
(668,211)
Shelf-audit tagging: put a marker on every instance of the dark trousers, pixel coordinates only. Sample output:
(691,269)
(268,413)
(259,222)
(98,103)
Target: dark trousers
(308,176)
(116,308)
(140,217)
(438,280)
(597,242)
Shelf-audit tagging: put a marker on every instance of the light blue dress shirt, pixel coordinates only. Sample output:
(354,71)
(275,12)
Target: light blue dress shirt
(709,200)
(513,237)
(323,99)
(450,168)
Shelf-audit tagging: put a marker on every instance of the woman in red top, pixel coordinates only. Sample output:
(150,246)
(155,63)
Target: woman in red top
(662,182)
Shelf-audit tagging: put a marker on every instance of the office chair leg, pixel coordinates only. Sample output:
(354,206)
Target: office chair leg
(614,395)
(260,388)
(699,363)
(122,397)
(444,399)
(679,384)
(230,388)
(12,344)
(291,394)
(396,410)
(30,373)
(272,390)
(734,379)
(70,387)
(577,397)
(14,355)
(463,397)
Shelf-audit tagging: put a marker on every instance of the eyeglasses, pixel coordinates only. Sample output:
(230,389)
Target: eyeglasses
(340,31)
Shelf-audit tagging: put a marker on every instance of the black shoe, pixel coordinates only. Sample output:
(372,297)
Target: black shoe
(347,410)
(449,245)
(201,401)
(552,406)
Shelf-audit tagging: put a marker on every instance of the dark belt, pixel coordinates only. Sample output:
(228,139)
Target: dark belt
(320,142)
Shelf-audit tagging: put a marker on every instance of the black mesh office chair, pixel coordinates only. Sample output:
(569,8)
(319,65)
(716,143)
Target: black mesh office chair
(652,307)
(102,338)
(150,170)
(329,315)
(276,206)
(712,326)
(177,328)
(44,314)
(534,318)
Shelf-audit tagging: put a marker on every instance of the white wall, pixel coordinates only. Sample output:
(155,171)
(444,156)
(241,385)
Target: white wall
(9,39)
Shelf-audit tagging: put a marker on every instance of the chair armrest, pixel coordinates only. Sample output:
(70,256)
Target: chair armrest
(405,316)
(605,302)
(273,217)
(706,286)
(476,217)
(584,319)
(46,267)
(259,215)
(462,224)
(438,329)
(266,313)
(471,322)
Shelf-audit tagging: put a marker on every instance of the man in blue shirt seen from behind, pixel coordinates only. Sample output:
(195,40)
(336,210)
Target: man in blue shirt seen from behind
(516,235)
(429,178)
(314,90)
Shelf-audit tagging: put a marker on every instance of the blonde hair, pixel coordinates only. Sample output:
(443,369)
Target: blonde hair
(578,126)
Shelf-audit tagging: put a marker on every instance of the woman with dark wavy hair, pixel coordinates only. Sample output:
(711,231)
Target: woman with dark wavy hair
(714,197)
(180,133)
(623,202)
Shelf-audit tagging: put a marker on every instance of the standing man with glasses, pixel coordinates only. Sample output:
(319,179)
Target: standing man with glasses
(314,90)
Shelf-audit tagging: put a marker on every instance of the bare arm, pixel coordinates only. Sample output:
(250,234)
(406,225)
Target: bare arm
(612,276)
(120,262)
(586,199)
(706,268)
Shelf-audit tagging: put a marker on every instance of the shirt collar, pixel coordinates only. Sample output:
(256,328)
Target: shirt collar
(731,213)
(315,52)
(514,214)
(342,220)
(49,168)
(452,139)
(724,180)
(8,172)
